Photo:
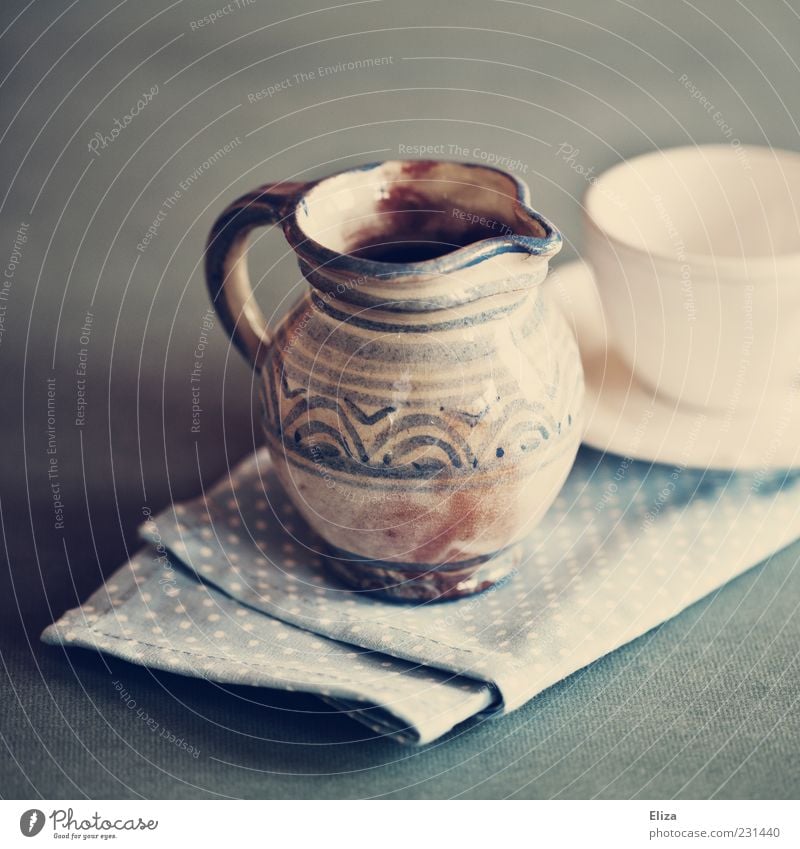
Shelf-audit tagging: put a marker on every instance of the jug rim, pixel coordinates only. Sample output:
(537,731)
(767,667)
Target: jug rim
(338,263)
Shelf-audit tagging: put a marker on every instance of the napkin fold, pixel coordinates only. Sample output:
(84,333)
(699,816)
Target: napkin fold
(232,588)
(153,612)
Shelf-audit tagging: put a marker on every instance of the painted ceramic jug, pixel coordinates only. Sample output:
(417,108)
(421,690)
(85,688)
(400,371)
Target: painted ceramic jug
(422,400)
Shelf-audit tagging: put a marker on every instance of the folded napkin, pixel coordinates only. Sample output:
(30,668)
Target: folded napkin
(233,589)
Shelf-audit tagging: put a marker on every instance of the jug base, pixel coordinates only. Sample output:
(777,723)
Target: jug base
(412,582)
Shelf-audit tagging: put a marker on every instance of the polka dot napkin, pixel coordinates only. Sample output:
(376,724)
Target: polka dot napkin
(233,589)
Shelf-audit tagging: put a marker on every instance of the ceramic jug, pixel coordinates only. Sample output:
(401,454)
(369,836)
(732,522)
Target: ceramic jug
(422,399)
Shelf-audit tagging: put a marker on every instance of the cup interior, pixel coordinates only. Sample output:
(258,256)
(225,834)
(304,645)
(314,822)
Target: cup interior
(720,202)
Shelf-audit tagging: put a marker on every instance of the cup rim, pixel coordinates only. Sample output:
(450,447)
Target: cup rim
(731,265)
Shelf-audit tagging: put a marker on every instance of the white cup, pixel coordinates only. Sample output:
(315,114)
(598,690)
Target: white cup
(696,254)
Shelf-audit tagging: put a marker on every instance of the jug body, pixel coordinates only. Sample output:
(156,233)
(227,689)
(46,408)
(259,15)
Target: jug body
(410,452)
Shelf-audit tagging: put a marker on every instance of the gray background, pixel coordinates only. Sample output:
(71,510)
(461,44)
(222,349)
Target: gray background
(705,705)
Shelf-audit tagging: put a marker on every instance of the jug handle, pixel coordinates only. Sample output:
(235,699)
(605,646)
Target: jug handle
(226,265)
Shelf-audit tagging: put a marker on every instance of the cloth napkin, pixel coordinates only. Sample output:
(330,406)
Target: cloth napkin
(232,588)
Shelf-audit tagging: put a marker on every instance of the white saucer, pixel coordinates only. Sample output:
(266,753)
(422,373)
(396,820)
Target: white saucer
(628,418)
